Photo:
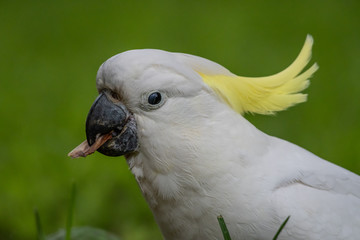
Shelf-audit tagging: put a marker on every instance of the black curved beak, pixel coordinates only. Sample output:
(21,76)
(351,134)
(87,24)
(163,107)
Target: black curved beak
(106,116)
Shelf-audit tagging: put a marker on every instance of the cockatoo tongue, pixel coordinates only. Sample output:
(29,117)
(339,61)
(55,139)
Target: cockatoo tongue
(85,149)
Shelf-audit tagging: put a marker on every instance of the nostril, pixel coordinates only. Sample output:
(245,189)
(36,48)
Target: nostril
(115,96)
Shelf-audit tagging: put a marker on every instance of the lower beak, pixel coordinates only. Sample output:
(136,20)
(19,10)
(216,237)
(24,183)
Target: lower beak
(107,117)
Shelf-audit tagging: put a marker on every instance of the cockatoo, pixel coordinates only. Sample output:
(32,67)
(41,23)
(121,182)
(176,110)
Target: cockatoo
(178,120)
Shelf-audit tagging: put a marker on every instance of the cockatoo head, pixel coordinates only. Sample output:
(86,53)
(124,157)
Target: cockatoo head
(142,90)
(146,92)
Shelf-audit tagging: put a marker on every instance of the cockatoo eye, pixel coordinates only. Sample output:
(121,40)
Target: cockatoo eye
(154,98)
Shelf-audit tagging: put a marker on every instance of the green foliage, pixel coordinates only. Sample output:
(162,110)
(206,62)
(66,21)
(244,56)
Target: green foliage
(73,233)
(40,233)
(70,215)
(83,233)
(281,228)
(50,52)
(226,233)
(223,227)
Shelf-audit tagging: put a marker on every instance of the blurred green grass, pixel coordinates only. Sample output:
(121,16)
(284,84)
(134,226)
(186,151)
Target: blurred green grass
(50,52)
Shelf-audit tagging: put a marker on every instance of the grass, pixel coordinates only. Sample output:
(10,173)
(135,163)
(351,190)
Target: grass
(70,212)
(226,233)
(223,227)
(89,233)
(72,233)
(40,233)
(281,228)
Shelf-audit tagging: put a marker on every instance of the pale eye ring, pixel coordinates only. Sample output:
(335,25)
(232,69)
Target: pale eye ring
(153,100)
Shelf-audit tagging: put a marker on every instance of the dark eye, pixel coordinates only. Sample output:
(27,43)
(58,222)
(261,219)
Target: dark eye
(154,98)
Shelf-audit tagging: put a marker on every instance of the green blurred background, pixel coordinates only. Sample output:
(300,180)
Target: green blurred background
(49,55)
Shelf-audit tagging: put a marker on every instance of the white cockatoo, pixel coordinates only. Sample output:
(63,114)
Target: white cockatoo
(178,120)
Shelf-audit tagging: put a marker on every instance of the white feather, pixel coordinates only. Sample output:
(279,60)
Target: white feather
(198,159)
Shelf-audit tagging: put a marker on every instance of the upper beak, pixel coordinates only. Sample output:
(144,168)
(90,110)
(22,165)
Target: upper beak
(107,117)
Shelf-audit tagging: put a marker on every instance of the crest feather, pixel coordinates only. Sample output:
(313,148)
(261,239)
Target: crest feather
(265,95)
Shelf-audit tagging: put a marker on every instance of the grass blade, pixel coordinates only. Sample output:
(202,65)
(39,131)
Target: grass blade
(281,228)
(70,212)
(40,233)
(223,227)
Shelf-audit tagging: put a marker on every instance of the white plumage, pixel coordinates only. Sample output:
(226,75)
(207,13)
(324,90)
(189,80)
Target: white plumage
(199,158)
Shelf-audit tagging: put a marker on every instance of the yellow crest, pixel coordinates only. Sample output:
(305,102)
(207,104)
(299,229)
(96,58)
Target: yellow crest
(266,95)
